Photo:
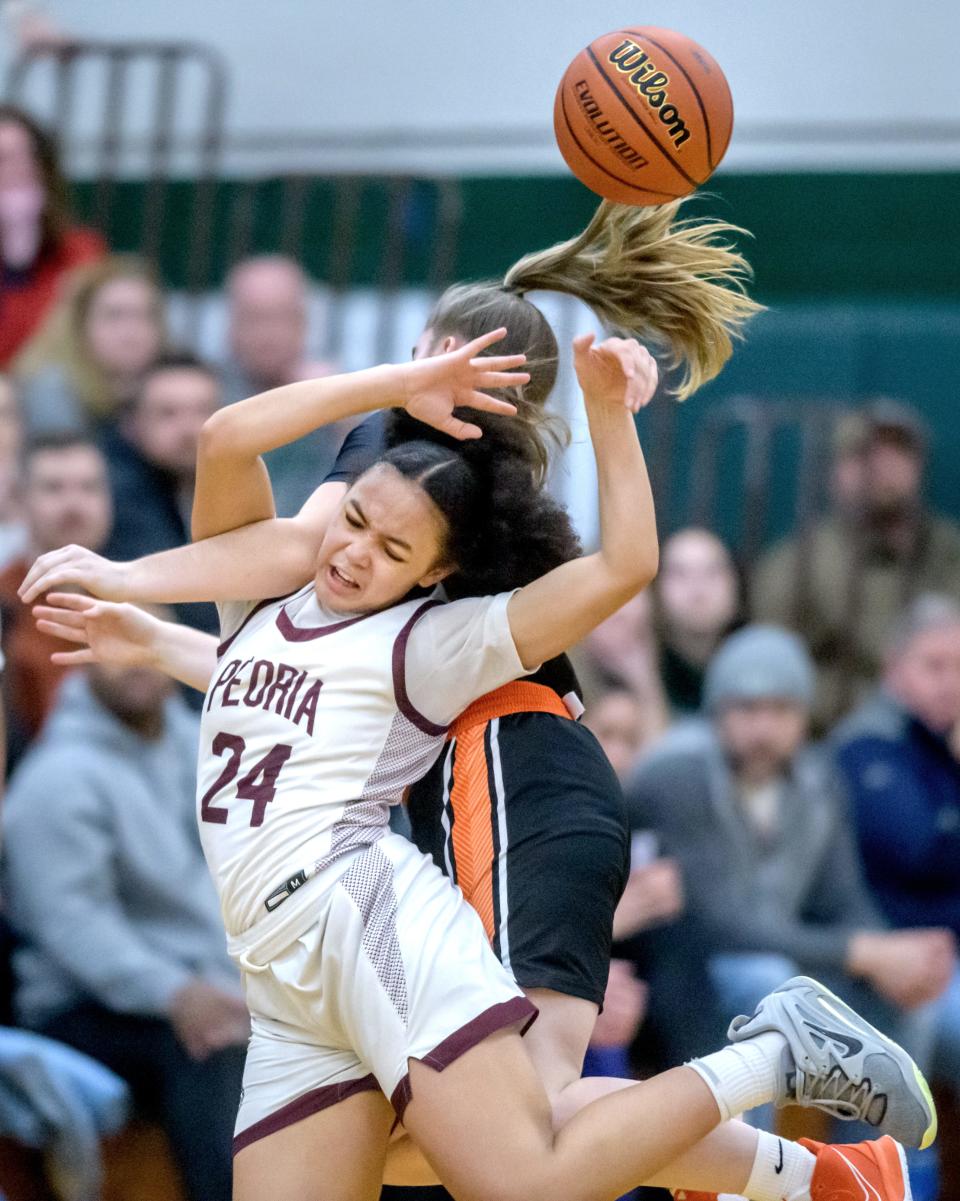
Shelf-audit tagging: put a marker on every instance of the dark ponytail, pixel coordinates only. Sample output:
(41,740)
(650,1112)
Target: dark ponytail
(503,531)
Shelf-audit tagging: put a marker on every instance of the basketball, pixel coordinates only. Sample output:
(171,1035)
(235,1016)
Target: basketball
(643,116)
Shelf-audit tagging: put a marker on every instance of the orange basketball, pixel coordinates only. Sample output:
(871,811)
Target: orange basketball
(643,115)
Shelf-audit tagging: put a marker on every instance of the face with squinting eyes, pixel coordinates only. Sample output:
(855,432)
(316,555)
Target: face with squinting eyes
(387,538)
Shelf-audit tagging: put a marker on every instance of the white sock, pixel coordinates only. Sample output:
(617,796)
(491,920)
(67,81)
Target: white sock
(781,1171)
(743,1075)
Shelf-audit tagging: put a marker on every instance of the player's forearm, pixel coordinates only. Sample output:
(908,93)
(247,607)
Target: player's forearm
(561,608)
(268,558)
(262,423)
(187,655)
(629,551)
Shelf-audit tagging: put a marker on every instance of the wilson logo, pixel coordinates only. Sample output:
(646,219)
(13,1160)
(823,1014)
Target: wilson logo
(652,85)
(617,143)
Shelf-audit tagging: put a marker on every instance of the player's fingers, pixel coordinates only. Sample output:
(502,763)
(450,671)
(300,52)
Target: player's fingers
(73,658)
(66,617)
(40,569)
(65,576)
(472,349)
(73,600)
(463,431)
(501,379)
(503,362)
(621,353)
(491,404)
(67,633)
(583,342)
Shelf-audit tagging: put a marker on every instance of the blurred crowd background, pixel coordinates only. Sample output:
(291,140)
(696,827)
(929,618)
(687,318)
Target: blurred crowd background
(181,227)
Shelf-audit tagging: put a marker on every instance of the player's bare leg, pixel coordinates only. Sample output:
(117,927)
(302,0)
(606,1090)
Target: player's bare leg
(334,1155)
(557,1043)
(493,1093)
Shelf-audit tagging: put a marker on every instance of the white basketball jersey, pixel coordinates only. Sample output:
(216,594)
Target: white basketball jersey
(315,723)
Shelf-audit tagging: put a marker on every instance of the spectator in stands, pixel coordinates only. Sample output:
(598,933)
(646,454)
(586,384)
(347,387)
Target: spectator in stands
(617,1025)
(123,953)
(89,360)
(899,755)
(659,954)
(13,529)
(267,298)
(621,655)
(38,242)
(696,603)
(66,499)
(843,585)
(153,459)
(757,819)
(616,719)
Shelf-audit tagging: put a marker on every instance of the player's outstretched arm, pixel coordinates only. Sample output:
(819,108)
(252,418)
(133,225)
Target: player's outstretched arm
(233,488)
(617,377)
(125,636)
(265,559)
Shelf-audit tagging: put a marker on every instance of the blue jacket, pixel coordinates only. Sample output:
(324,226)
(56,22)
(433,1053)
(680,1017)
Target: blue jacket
(904,784)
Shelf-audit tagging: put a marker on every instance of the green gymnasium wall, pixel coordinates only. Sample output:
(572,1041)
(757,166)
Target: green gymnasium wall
(814,235)
(860,273)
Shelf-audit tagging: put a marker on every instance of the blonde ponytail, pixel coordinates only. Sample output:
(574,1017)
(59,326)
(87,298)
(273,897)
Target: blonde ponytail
(645,273)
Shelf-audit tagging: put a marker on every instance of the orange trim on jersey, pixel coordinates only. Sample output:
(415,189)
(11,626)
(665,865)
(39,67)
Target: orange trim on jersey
(520,696)
(472,827)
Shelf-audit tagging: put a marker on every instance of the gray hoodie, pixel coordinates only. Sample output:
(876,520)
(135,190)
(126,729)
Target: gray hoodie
(103,873)
(803,896)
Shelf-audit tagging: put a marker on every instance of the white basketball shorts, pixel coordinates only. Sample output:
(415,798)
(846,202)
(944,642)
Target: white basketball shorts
(396,967)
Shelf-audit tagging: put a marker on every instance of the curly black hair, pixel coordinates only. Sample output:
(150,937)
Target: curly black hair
(504,531)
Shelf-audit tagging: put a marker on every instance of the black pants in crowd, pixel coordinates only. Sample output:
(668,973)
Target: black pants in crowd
(195,1102)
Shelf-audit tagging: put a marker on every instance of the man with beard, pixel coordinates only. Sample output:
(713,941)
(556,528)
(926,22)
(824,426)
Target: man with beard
(843,584)
(66,499)
(756,818)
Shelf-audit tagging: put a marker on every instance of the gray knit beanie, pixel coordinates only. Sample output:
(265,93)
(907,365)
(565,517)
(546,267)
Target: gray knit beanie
(759,663)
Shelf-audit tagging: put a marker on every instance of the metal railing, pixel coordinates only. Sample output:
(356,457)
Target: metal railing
(45,78)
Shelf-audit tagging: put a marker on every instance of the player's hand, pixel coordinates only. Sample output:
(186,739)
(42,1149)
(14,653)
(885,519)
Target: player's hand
(908,967)
(75,567)
(617,371)
(206,1019)
(624,1007)
(436,385)
(121,635)
(654,894)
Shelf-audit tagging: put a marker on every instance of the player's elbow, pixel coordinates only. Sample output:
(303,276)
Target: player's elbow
(217,436)
(647,566)
(630,574)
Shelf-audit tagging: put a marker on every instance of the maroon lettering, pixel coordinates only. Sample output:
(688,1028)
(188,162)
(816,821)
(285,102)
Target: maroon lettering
(251,696)
(225,676)
(280,687)
(293,695)
(308,706)
(262,790)
(234,746)
(233,684)
(272,687)
(258,785)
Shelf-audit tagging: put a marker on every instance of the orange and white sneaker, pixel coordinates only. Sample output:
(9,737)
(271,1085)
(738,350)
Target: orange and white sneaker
(869,1171)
